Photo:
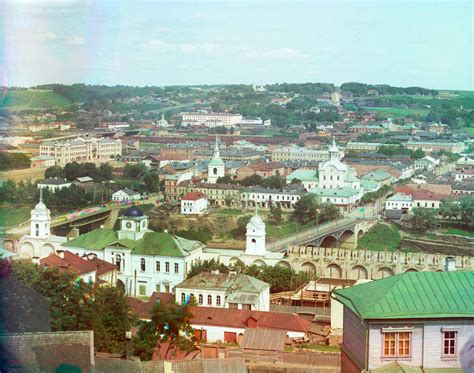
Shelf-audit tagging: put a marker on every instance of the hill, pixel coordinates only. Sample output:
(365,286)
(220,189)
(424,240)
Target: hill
(33,99)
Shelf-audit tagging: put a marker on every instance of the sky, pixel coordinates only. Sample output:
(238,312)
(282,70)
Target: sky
(401,43)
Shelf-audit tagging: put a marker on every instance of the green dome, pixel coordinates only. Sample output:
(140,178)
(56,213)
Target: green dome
(215,162)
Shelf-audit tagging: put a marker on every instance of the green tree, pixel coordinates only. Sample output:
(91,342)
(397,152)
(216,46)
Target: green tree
(423,220)
(305,209)
(55,171)
(151,181)
(169,328)
(450,209)
(276,214)
(134,171)
(467,210)
(105,172)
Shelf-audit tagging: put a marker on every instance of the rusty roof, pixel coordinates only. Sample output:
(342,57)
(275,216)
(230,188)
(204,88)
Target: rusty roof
(264,339)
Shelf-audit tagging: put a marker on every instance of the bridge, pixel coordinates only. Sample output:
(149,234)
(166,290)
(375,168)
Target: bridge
(339,233)
(84,220)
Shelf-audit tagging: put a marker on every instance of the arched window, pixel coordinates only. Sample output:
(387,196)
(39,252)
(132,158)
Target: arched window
(37,229)
(183,298)
(142,264)
(254,240)
(215,171)
(118,261)
(209,300)
(218,300)
(200,297)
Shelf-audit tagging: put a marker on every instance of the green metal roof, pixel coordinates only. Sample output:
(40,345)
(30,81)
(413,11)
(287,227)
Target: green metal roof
(152,243)
(303,175)
(412,295)
(346,192)
(216,162)
(397,367)
(377,175)
(369,185)
(97,239)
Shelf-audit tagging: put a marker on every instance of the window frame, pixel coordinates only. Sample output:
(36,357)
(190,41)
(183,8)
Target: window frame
(396,343)
(445,355)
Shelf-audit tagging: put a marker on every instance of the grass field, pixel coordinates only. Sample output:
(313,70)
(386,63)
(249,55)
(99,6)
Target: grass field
(33,99)
(12,216)
(399,112)
(460,232)
(381,237)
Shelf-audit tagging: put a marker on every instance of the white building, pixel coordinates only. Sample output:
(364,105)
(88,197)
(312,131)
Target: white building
(147,261)
(399,201)
(53,184)
(227,119)
(216,167)
(40,243)
(255,236)
(82,150)
(163,123)
(463,174)
(225,290)
(266,197)
(125,195)
(295,153)
(194,203)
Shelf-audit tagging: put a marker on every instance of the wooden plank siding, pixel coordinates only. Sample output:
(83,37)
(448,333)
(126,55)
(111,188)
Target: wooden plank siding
(354,339)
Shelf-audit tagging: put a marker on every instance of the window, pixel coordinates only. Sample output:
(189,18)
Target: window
(167,267)
(176,268)
(200,298)
(142,264)
(209,300)
(449,343)
(233,305)
(246,307)
(142,290)
(397,344)
(218,300)
(158,266)
(183,298)
(191,297)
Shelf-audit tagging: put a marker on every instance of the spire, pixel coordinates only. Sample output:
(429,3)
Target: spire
(216,149)
(256,208)
(41,195)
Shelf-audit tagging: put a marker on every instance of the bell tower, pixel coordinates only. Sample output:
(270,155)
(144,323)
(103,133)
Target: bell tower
(40,226)
(255,244)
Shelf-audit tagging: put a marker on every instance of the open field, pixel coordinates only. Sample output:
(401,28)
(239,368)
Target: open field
(399,112)
(381,237)
(460,232)
(34,99)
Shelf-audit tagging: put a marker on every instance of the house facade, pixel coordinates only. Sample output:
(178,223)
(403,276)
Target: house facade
(125,195)
(225,290)
(193,203)
(418,319)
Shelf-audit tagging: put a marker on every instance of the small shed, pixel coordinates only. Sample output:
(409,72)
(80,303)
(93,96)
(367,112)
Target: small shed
(263,344)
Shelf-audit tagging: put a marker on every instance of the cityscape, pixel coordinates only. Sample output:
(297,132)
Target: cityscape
(170,218)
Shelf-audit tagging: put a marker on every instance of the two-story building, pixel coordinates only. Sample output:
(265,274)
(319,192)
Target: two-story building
(268,197)
(412,322)
(147,261)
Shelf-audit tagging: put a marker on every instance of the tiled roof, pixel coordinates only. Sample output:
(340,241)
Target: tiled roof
(412,295)
(193,196)
(69,263)
(102,266)
(235,318)
(224,281)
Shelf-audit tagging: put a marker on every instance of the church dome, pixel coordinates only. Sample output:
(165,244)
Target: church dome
(40,208)
(216,162)
(257,221)
(133,212)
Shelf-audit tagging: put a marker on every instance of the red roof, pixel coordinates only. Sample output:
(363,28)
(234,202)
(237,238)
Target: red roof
(102,266)
(248,319)
(265,166)
(193,196)
(427,195)
(69,263)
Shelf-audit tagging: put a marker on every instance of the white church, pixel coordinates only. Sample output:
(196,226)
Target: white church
(216,167)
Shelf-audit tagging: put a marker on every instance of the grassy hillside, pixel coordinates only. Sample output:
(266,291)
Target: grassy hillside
(400,112)
(34,99)
(381,237)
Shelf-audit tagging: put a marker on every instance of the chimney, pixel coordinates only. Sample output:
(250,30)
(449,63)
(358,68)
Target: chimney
(450,264)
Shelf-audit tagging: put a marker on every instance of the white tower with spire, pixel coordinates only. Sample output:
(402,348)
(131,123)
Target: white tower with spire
(256,233)
(216,167)
(40,220)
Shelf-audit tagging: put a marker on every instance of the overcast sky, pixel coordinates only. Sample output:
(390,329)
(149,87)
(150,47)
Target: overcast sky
(403,43)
